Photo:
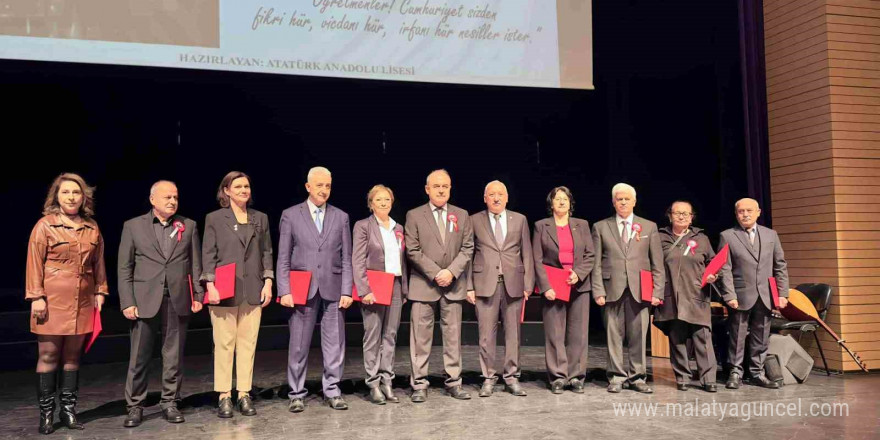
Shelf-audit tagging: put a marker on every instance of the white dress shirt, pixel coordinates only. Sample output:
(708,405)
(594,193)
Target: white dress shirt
(392,247)
(629,224)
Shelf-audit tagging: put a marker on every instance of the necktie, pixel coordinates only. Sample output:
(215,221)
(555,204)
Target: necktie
(319,223)
(499,234)
(440,225)
(623,235)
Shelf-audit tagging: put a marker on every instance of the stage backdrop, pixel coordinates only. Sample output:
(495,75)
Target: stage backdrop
(542,43)
(666,116)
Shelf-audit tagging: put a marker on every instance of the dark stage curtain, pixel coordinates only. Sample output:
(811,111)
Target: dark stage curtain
(754,95)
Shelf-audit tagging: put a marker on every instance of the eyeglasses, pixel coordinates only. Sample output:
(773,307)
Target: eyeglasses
(682,214)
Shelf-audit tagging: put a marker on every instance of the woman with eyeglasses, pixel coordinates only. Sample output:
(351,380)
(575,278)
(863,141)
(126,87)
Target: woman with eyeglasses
(564,242)
(685,313)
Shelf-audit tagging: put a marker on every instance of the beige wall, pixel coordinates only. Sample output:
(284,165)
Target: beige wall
(823,93)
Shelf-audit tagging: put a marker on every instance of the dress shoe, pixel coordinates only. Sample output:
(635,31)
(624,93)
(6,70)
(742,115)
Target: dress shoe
(639,387)
(419,396)
(734,381)
(173,415)
(457,393)
(376,396)
(246,405)
(557,386)
(516,389)
(577,386)
(710,388)
(681,386)
(134,418)
(46,400)
(389,393)
(615,387)
(224,409)
(337,403)
(68,398)
(762,381)
(296,405)
(487,389)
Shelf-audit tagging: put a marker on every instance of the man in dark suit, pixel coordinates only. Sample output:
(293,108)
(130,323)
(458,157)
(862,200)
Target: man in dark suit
(439,244)
(755,256)
(626,245)
(159,257)
(499,280)
(316,237)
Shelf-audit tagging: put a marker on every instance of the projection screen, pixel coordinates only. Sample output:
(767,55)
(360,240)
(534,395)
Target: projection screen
(531,43)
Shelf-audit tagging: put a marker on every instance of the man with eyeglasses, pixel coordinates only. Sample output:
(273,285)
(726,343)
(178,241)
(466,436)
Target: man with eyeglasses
(755,256)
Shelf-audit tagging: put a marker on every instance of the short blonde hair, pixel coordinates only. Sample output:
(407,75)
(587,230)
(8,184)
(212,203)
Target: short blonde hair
(317,170)
(375,190)
(622,187)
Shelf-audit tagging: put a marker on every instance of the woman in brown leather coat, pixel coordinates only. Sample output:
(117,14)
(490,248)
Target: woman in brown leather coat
(66,281)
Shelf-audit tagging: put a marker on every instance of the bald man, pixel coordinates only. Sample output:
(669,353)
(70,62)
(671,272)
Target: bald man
(499,281)
(159,256)
(755,256)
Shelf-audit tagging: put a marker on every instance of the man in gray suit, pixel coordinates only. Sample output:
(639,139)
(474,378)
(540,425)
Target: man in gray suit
(315,237)
(439,244)
(499,281)
(755,256)
(159,257)
(626,245)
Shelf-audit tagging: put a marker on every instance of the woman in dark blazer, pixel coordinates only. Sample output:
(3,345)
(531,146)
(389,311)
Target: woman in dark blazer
(562,241)
(379,245)
(240,235)
(686,313)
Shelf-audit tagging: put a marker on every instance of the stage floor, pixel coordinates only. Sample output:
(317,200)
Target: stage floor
(541,415)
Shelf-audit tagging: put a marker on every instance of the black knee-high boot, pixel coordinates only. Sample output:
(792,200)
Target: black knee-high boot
(69,390)
(46,399)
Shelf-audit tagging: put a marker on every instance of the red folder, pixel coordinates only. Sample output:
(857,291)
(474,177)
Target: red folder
(299,286)
(522,316)
(559,282)
(96,329)
(716,264)
(382,285)
(647,283)
(224,282)
(774,292)
(191,296)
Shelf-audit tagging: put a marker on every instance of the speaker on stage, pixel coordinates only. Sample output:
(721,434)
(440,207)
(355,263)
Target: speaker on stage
(794,363)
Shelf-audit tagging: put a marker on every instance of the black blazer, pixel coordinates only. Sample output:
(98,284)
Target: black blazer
(545,247)
(142,267)
(252,256)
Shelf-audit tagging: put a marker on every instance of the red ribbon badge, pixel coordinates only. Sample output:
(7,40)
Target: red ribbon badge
(399,236)
(637,231)
(179,227)
(692,244)
(452,218)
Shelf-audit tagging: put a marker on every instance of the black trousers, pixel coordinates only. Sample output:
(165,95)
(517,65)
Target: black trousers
(143,336)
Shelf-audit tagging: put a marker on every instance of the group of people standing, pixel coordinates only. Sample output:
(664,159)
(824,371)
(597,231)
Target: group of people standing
(440,258)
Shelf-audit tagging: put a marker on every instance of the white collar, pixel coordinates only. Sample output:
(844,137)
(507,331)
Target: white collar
(313,207)
(391,223)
